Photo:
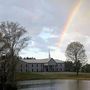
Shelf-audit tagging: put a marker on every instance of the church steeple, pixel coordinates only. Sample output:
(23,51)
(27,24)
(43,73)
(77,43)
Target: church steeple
(49,55)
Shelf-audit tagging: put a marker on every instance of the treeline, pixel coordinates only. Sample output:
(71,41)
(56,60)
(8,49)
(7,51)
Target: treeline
(29,58)
(70,67)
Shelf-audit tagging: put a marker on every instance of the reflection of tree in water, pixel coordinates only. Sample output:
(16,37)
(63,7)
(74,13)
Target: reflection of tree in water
(52,85)
(74,85)
(79,85)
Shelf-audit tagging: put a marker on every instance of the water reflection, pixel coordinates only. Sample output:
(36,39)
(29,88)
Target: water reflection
(54,85)
(74,85)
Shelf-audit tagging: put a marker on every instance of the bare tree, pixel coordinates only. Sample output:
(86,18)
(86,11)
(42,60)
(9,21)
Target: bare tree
(75,52)
(14,38)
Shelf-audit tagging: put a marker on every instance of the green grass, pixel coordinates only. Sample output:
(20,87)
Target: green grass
(51,75)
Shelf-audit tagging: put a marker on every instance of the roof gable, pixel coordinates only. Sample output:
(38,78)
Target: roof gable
(51,62)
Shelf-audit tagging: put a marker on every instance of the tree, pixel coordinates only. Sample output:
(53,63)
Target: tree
(86,68)
(14,39)
(3,47)
(69,66)
(75,52)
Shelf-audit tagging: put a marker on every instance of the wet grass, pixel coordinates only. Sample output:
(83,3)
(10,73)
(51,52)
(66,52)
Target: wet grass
(51,75)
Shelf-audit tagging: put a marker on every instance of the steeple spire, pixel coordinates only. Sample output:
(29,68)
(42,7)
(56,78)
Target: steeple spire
(49,55)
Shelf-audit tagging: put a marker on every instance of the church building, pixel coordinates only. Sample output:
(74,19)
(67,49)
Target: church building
(40,65)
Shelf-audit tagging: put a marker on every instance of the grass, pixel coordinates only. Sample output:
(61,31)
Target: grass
(51,75)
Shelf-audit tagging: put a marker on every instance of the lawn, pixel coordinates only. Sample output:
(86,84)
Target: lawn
(51,75)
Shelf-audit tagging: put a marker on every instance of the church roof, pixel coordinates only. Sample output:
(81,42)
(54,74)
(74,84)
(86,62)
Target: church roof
(41,60)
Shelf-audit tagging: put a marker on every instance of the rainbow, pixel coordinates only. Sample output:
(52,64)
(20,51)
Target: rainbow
(69,21)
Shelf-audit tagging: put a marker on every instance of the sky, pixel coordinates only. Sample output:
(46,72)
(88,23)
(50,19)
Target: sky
(51,24)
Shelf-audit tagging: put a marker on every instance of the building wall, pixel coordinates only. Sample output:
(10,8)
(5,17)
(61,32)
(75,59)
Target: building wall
(21,66)
(40,67)
(60,66)
(35,67)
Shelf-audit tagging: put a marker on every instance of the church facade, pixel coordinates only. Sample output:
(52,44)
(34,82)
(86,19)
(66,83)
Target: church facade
(40,65)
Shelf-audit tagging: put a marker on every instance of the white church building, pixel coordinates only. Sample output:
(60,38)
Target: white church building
(40,65)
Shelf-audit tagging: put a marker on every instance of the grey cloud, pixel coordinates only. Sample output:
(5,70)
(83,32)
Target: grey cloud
(40,44)
(36,15)
(33,14)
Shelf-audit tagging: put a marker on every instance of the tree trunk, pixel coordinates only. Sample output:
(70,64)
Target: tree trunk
(77,69)
(77,72)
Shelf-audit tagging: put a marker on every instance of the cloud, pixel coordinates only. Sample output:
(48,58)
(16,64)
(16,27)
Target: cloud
(44,21)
